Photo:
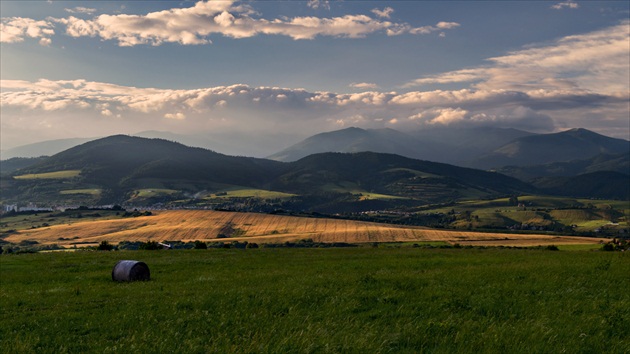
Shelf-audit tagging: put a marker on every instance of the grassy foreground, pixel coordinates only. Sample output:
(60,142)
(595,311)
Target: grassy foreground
(360,300)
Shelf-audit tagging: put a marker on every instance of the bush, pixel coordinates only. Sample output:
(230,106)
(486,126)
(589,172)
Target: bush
(616,245)
(552,248)
(105,246)
(150,246)
(200,245)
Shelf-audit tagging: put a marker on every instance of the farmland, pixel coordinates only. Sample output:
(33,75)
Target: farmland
(50,175)
(403,300)
(209,226)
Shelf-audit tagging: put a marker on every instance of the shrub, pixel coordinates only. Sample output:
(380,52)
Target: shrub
(105,246)
(200,245)
(150,245)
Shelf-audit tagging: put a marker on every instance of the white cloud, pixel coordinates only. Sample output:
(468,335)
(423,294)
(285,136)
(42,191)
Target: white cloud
(438,26)
(90,105)
(363,85)
(595,61)
(81,10)
(45,42)
(15,29)
(447,25)
(565,4)
(448,116)
(175,116)
(384,13)
(194,25)
(316,4)
(464,75)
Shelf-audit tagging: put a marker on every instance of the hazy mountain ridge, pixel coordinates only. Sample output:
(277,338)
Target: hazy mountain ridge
(43,148)
(484,148)
(357,140)
(602,184)
(604,162)
(565,146)
(16,163)
(120,164)
(454,146)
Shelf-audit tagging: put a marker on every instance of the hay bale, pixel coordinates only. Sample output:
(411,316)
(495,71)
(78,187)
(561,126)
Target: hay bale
(128,270)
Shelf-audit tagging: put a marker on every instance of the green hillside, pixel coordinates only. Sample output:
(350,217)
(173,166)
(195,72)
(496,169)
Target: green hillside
(122,169)
(139,171)
(602,162)
(395,175)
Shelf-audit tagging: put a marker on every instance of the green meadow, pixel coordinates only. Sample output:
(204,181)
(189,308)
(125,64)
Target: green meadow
(88,191)
(343,300)
(551,213)
(51,175)
(241,192)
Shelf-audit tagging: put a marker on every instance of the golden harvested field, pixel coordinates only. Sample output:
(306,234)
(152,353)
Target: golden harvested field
(206,225)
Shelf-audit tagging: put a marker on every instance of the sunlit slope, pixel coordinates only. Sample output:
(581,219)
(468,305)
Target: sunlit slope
(208,225)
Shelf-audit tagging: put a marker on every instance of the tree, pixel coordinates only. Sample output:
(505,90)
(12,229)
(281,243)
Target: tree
(200,245)
(105,246)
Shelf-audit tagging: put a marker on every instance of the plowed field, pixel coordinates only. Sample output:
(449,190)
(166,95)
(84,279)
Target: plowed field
(204,225)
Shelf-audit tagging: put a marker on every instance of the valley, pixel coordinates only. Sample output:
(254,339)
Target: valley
(358,197)
(218,226)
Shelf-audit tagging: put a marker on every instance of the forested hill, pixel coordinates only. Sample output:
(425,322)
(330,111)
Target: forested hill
(118,166)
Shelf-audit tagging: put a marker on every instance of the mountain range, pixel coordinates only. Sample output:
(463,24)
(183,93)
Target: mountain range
(118,169)
(227,143)
(483,148)
(453,146)
(112,169)
(378,161)
(548,148)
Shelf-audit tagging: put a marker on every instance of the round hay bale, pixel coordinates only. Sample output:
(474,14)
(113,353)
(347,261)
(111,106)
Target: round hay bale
(128,270)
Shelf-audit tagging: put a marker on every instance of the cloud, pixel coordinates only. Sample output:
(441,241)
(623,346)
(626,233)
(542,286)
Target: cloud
(384,13)
(45,42)
(438,27)
(464,75)
(94,108)
(15,29)
(363,85)
(447,25)
(576,81)
(194,25)
(176,116)
(565,4)
(518,117)
(595,61)
(81,10)
(316,4)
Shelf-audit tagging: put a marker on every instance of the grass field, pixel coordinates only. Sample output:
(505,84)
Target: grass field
(347,187)
(206,225)
(238,192)
(90,191)
(359,300)
(584,215)
(51,175)
(153,192)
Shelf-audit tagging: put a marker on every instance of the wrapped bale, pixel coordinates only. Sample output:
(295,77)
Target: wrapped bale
(128,270)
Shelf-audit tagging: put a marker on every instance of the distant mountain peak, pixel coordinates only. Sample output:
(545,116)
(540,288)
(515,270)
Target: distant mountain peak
(572,144)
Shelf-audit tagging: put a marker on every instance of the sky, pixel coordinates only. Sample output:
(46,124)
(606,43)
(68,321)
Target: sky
(259,70)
